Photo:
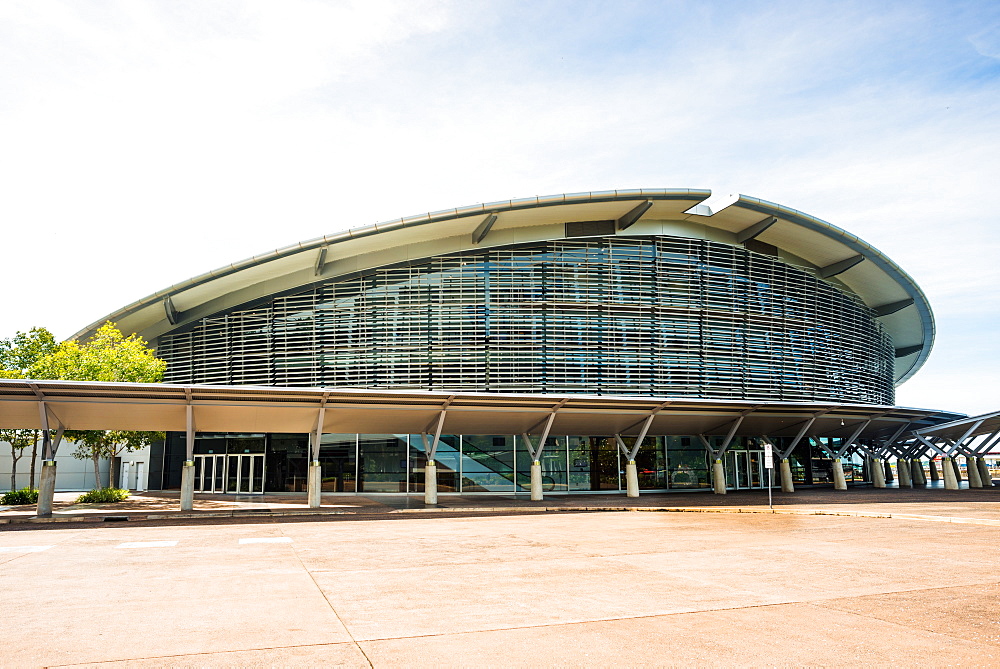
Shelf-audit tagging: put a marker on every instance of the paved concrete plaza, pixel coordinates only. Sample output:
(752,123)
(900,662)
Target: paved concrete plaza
(568,589)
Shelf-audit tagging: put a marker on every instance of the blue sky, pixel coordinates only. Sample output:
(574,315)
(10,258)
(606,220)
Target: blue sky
(144,143)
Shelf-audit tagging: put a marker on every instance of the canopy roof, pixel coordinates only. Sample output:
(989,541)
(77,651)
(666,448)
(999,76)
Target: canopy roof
(801,239)
(85,405)
(967,427)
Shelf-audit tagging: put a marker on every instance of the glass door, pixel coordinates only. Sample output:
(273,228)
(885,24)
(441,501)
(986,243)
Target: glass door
(745,470)
(208,472)
(245,473)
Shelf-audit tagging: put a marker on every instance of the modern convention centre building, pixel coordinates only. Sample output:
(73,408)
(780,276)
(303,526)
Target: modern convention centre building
(602,341)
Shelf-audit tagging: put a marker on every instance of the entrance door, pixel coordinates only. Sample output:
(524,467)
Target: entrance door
(209,473)
(245,473)
(745,470)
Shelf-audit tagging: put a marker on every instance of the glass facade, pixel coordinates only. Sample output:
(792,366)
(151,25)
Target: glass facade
(664,316)
(469,464)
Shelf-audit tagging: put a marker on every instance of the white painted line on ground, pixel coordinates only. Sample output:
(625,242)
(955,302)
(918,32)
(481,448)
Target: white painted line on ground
(266,540)
(23,549)
(147,544)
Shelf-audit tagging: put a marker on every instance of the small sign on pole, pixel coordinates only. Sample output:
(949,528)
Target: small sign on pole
(769,464)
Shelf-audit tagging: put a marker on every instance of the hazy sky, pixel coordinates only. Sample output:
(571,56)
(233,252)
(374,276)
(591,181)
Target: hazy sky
(142,143)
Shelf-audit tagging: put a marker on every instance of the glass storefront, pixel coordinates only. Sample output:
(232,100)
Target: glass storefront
(497,464)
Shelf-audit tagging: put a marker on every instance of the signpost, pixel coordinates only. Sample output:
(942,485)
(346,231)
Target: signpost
(769,463)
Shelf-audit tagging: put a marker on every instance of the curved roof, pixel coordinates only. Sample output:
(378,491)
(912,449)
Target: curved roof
(803,240)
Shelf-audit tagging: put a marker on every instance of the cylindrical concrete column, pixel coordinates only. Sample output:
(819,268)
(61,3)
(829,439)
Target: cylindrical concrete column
(932,467)
(187,486)
(839,482)
(950,479)
(631,479)
(887,470)
(536,481)
(903,472)
(785,473)
(973,472)
(878,473)
(430,483)
(46,489)
(917,472)
(958,472)
(314,484)
(984,472)
(718,478)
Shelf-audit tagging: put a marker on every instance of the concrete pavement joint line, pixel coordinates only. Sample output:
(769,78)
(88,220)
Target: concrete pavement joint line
(811,602)
(147,544)
(332,608)
(266,540)
(819,604)
(210,652)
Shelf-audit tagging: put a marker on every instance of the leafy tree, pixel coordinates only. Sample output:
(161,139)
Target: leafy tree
(22,351)
(107,356)
(18,355)
(20,440)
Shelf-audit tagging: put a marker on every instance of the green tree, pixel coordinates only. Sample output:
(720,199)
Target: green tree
(17,357)
(107,356)
(20,440)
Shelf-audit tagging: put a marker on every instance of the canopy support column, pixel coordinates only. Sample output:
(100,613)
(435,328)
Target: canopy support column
(631,471)
(537,493)
(187,471)
(314,480)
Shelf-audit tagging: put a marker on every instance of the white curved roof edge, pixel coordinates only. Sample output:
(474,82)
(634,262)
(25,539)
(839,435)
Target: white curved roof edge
(789,214)
(870,253)
(386,226)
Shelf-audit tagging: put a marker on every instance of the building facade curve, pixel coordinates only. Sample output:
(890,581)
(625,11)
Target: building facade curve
(647,293)
(626,315)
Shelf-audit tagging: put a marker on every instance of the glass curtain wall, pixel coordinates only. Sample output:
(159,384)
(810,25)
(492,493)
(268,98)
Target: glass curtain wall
(660,315)
(499,464)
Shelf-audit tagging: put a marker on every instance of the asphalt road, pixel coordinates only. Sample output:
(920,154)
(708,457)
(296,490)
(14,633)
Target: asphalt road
(573,589)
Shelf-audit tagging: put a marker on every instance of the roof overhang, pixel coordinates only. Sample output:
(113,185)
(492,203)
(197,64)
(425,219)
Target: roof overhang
(830,252)
(80,405)
(967,427)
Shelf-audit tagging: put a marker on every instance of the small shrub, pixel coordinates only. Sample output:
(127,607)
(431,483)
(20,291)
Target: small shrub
(22,496)
(103,496)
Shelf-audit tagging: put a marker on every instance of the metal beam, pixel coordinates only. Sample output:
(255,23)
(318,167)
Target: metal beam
(651,413)
(931,445)
(173,316)
(548,418)
(318,435)
(798,437)
(840,267)
(892,307)
(746,234)
(483,229)
(641,437)
(961,442)
(854,435)
(536,452)
(633,216)
(320,261)
(437,435)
